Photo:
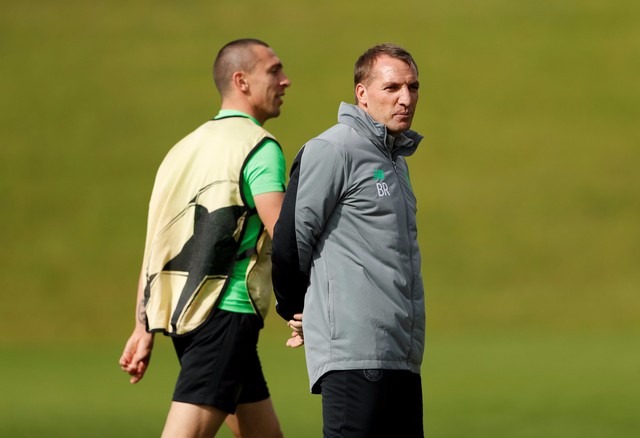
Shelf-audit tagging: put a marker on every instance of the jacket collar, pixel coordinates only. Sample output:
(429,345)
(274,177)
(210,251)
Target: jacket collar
(405,143)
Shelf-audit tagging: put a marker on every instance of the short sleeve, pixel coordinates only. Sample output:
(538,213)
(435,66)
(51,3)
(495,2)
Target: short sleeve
(265,171)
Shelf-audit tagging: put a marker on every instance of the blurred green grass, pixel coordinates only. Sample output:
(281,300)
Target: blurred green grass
(527,184)
(511,385)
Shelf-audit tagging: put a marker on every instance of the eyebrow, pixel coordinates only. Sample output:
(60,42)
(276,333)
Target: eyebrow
(391,83)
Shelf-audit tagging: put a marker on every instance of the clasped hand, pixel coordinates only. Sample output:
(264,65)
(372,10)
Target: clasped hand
(297,337)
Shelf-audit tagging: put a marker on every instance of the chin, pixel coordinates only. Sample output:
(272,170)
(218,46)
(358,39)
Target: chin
(406,126)
(395,130)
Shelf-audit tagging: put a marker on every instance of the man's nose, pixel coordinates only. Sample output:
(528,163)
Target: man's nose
(405,96)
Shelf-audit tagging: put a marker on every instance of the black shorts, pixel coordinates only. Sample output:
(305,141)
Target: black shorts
(219,364)
(371,404)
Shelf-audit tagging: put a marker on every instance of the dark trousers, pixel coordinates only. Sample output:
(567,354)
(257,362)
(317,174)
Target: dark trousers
(371,404)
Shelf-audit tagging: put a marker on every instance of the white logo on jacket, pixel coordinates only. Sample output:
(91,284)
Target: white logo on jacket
(381,186)
(383,189)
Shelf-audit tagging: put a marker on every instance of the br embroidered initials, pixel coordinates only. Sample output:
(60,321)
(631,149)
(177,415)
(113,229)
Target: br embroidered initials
(383,189)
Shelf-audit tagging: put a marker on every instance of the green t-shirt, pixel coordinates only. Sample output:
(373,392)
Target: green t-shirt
(264,173)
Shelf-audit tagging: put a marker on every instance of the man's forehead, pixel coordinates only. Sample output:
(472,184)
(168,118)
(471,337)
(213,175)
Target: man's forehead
(387,66)
(266,55)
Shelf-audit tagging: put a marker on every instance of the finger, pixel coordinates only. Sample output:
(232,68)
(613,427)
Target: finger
(125,360)
(294,343)
(295,324)
(138,373)
(126,354)
(290,343)
(133,367)
(141,356)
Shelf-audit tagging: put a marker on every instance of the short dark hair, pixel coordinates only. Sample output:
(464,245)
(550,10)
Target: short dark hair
(364,64)
(232,57)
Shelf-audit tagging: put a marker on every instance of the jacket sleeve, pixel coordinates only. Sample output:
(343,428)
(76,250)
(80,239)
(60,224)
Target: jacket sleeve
(315,186)
(289,283)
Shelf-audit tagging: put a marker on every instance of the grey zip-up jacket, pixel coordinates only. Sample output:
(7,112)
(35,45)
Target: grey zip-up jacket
(345,250)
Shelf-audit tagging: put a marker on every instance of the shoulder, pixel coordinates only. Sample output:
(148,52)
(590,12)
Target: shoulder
(268,151)
(336,139)
(236,126)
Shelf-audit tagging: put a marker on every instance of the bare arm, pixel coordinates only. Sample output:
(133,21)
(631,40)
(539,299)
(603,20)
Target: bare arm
(268,206)
(137,351)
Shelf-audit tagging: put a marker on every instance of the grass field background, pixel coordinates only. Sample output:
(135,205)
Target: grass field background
(527,181)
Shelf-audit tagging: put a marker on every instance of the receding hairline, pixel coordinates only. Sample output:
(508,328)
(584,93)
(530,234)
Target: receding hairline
(363,69)
(237,55)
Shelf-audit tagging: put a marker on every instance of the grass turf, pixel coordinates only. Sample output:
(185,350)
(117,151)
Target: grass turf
(476,385)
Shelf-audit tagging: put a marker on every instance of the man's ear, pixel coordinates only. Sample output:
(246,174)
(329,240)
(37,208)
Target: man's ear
(361,95)
(239,80)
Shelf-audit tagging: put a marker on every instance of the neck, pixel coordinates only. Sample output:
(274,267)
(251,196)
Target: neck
(241,105)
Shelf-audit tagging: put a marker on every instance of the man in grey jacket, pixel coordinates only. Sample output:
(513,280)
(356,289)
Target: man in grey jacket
(345,253)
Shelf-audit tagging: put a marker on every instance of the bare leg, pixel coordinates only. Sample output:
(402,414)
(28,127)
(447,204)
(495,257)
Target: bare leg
(258,420)
(190,420)
(232,424)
